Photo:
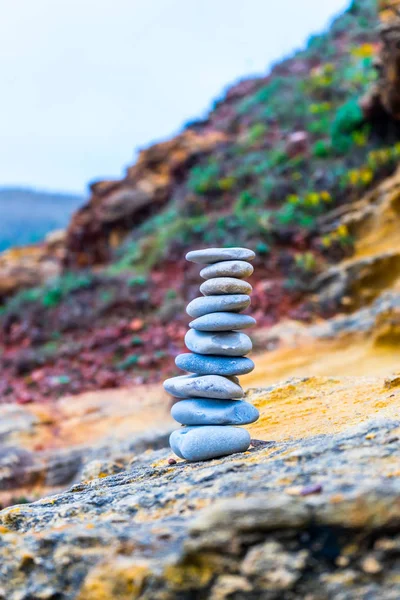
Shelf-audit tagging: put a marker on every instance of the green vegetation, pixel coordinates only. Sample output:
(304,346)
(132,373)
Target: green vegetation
(128,362)
(53,292)
(348,119)
(321,148)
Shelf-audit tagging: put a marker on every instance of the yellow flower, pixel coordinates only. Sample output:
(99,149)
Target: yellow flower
(366,176)
(226,183)
(363,51)
(326,197)
(360,138)
(354,176)
(329,68)
(322,107)
(326,241)
(342,231)
(312,198)
(383,155)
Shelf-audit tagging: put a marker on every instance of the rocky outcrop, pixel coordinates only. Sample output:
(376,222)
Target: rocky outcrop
(312,510)
(374,267)
(116,207)
(45,448)
(30,266)
(383,99)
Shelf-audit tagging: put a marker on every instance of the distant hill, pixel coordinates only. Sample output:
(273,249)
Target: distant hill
(26,215)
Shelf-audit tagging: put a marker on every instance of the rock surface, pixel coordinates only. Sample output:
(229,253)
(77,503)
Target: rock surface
(309,512)
(43,451)
(29,266)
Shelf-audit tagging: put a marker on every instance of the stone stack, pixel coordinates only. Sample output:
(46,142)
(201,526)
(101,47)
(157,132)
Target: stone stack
(210,399)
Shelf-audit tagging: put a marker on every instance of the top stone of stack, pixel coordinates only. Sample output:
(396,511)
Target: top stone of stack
(213,255)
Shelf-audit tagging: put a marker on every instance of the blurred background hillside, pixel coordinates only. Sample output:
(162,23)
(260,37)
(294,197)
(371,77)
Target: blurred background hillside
(82,111)
(284,162)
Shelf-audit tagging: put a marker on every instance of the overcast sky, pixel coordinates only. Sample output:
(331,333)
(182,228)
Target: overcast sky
(87,82)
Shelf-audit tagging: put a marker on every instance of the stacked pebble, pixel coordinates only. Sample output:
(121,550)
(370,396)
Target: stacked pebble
(211,402)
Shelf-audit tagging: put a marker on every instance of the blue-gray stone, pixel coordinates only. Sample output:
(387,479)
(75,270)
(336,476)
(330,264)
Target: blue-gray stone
(209,441)
(225,343)
(214,365)
(225,285)
(203,411)
(222,321)
(213,255)
(203,386)
(209,304)
(227,268)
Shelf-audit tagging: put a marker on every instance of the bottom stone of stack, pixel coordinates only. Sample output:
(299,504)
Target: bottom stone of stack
(205,411)
(208,441)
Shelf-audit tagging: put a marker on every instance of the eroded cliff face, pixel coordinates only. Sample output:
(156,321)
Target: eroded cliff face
(116,207)
(29,266)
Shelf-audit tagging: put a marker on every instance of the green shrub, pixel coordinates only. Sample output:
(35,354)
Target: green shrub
(56,291)
(306,262)
(138,281)
(256,132)
(170,294)
(320,126)
(348,118)
(321,148)
(203,179)
(245,200)
(128,362)
(262,248)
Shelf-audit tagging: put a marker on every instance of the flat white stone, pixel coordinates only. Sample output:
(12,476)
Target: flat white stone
(203,386)
(209,304)
(222,321)
(225,343)
(213,255)
(225,285)
(228,268)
